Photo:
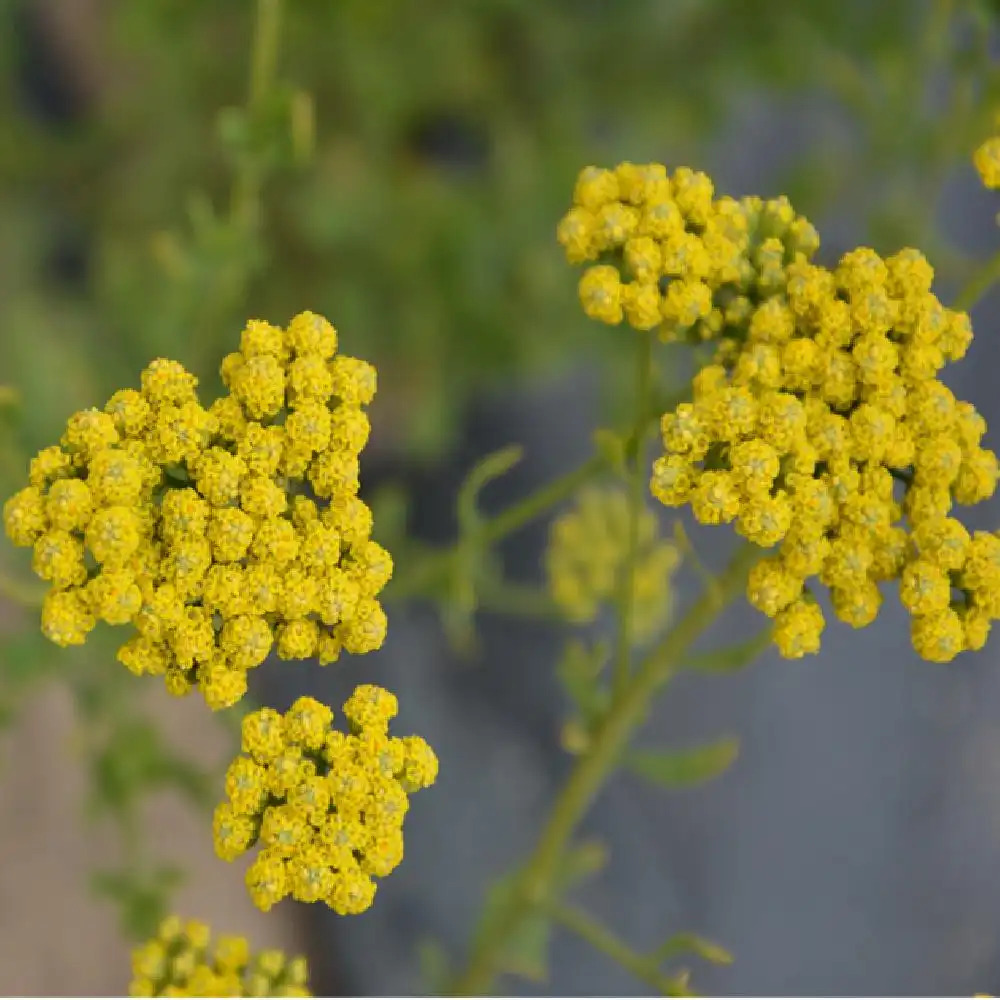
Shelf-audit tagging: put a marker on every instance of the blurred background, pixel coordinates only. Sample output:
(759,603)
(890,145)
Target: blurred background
(167,169)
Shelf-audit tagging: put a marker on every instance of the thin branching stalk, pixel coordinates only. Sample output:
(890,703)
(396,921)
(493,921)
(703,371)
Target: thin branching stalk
(603,940)
(979,284)
(637,482)
(596,765)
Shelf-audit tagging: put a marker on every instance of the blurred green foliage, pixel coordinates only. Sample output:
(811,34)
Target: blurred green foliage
(399,168)
(447,139)
(679,768)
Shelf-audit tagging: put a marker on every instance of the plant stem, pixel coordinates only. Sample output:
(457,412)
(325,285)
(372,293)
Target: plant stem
(265,49)
(504,597)
(245,214)
(978,285)
(594,767)
(263,67)
(559,489)
(626,595)
(437,564)
(602,940)
(533,506)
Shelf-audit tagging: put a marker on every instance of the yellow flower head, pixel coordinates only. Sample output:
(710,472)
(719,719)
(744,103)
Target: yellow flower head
(820,424)
(178,520)
(326,807)
(987,162)
(587,552)
(677,258)
(183,961)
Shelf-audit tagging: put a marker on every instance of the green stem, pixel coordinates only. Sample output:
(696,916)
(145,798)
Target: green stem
(436,565)
(244,220)
(626,595)
(978,285)
(594,767)
(263,68)
(265,50)
(521,600)
(602,940)
(534,506)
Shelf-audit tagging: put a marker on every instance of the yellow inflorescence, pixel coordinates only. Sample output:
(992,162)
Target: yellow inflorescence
(183,961)
(587,551)
(986,160)
(190,523)
(673,257)
(821,426)
(325,807)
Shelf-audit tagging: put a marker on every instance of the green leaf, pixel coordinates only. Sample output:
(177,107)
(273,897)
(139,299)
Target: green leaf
(579,670)
(121,769)
(189,779)
(525,951)
(732,658)
(134,761)
(580,862)
(279,132)
(680,768)
(692,944)
(143,898)
(493,466)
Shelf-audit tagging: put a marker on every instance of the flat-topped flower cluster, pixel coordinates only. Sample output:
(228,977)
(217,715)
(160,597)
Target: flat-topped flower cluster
(588,552)
(193,524)
(820,426)
(325,807)
(183,961)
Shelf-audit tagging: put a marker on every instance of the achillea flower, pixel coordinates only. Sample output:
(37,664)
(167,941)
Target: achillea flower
(179,520)
(183,961)
(671,256)
(325,807)
(586,554)
(820,426)
(986,160)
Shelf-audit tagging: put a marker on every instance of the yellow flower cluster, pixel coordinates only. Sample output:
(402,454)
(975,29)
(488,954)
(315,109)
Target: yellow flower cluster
(671,255)
(587,550)
(822,428)
(986,160)
(325,807)
(191,523)
(182,961)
